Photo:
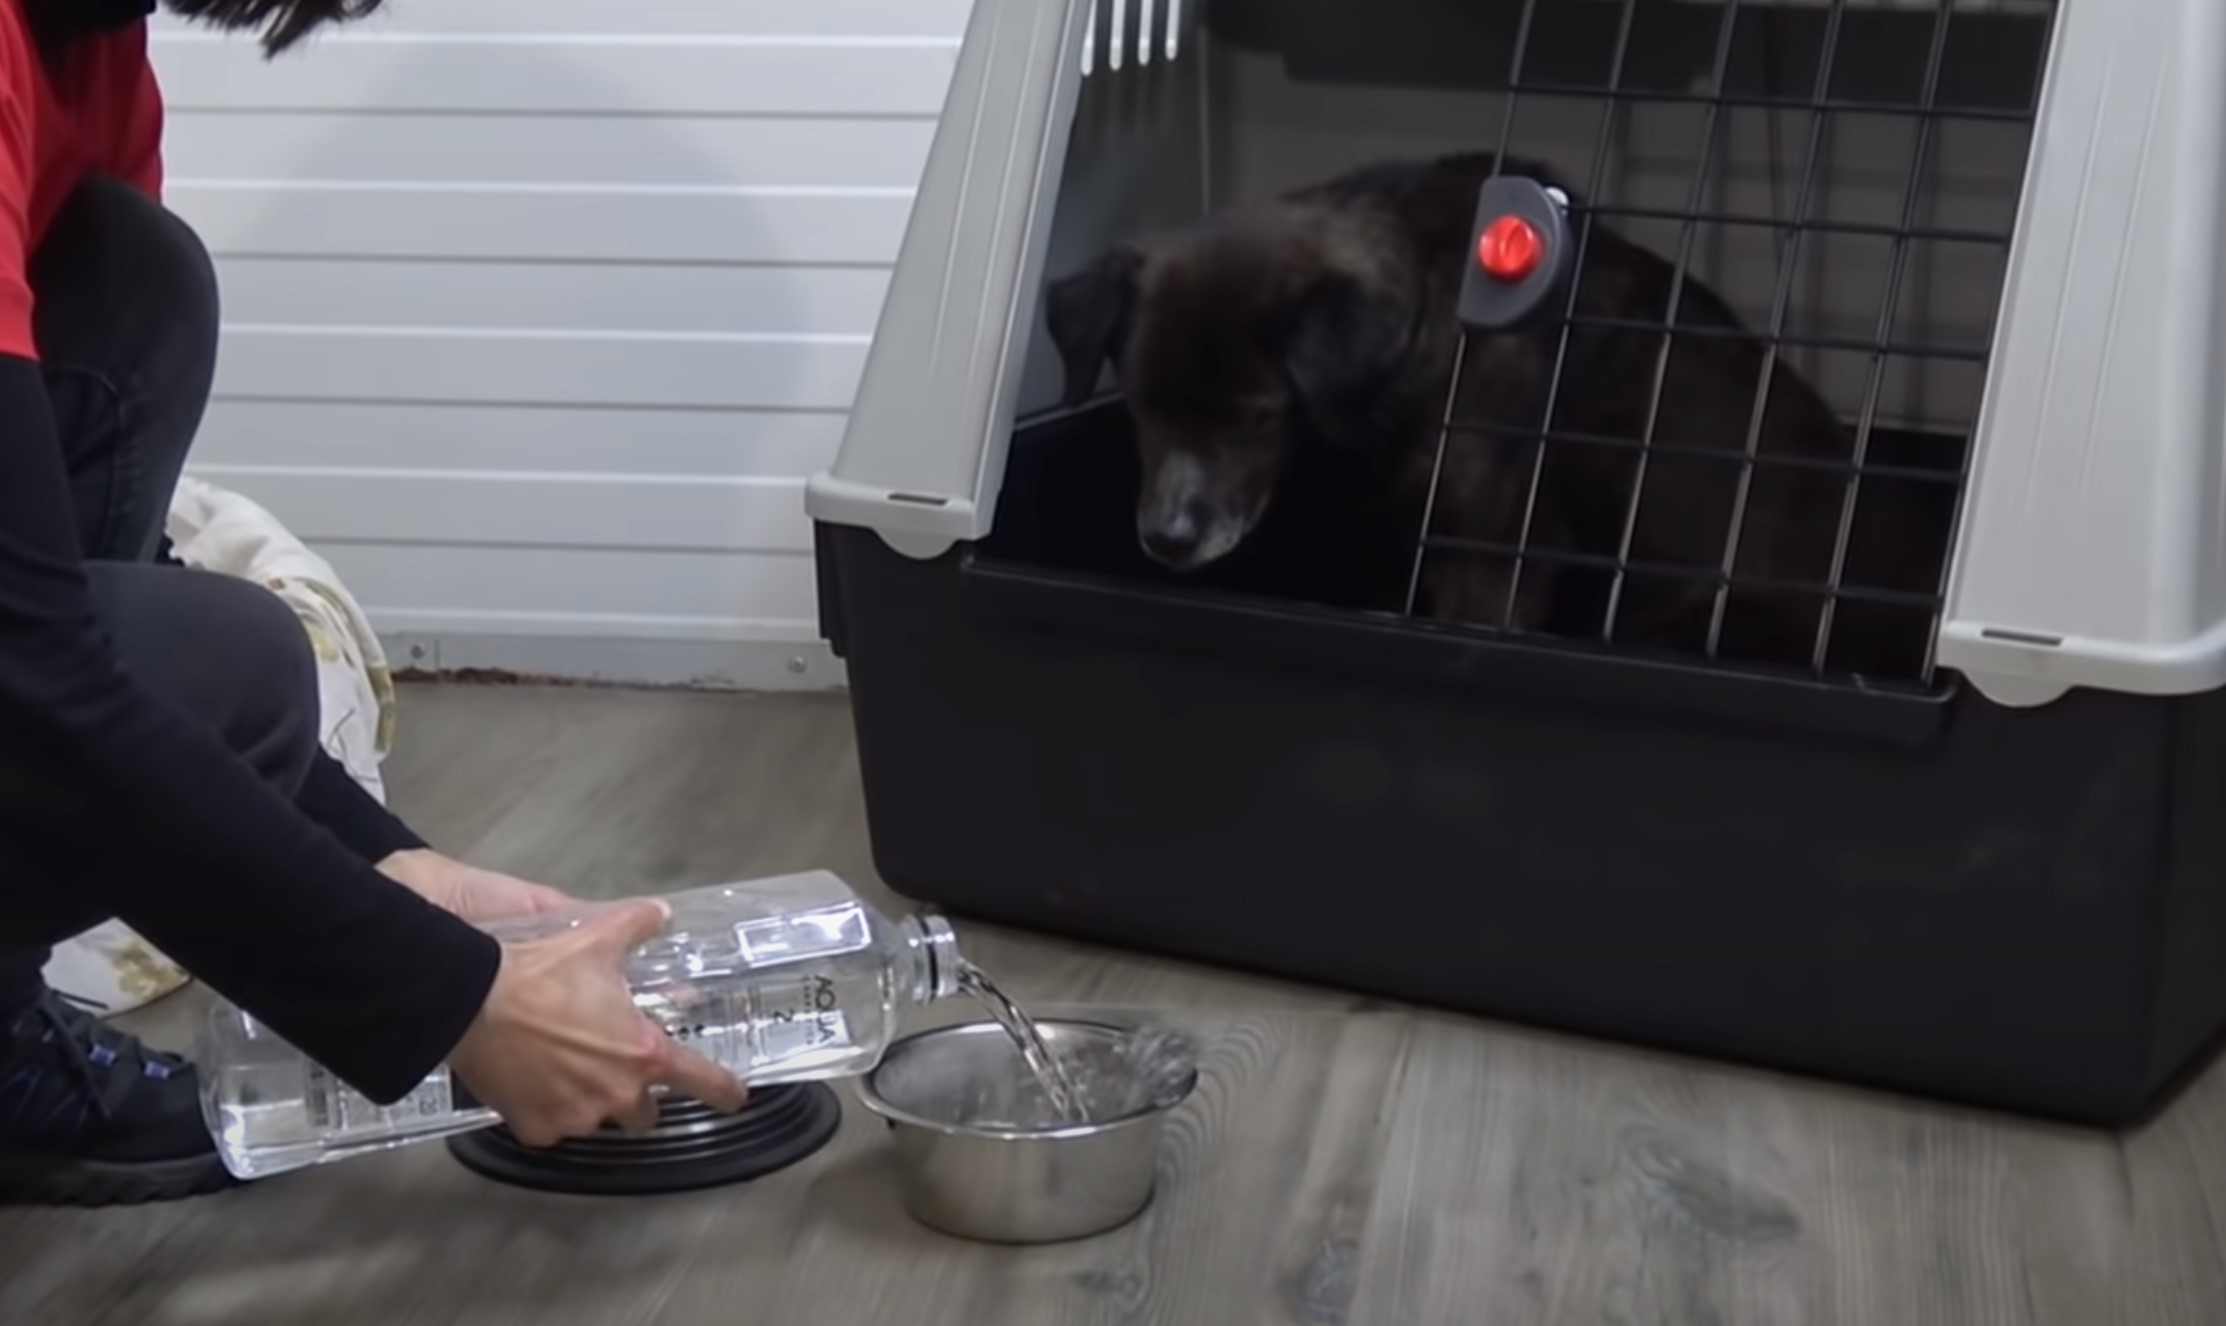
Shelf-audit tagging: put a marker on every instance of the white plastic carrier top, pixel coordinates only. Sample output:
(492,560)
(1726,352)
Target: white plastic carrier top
(2092,546)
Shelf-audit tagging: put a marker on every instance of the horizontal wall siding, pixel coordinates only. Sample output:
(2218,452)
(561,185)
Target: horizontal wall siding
(678,513)
(492,366)
(435,148)
(539,312)
(539,73)
(547,223)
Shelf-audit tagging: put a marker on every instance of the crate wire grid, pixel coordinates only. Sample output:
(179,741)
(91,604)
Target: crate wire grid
(1788,232)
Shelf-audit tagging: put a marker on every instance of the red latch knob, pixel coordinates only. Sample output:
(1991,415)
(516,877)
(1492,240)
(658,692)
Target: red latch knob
(1510,249)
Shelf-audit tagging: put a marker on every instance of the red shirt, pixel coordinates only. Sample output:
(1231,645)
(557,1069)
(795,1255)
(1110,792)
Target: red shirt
(97,110)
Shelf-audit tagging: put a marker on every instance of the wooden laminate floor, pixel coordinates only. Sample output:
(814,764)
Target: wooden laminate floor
(1342,1163)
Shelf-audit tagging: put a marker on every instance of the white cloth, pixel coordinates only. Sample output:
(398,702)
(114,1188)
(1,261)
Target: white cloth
(213,529)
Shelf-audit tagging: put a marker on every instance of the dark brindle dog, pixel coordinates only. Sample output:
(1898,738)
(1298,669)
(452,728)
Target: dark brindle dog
(1286,368)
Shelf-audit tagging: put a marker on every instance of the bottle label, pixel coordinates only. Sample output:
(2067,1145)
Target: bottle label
(337,1110)
(779,1018)
(809,1019)
(823,932)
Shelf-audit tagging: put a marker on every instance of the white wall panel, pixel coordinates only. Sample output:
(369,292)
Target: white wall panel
(565,74)
(650,594)
(538,312)
(772,18)
(498,509)
(556,296)
(488,366)
(528,439)
(302,146)
(491,222)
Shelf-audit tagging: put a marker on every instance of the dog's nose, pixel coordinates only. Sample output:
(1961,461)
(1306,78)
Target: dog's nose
(1174,539)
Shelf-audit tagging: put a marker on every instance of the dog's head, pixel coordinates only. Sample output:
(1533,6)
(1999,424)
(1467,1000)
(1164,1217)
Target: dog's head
(1264,341)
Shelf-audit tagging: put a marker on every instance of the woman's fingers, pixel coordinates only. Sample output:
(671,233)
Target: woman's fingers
(639,1117)
(690,1073)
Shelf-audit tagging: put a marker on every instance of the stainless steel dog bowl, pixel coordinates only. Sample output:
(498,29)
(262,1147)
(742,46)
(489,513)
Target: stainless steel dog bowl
(974,1154)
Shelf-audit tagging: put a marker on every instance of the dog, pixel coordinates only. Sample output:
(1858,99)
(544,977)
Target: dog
(1287,369)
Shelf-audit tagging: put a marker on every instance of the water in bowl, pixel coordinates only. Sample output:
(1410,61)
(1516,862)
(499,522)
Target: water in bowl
(979,1082)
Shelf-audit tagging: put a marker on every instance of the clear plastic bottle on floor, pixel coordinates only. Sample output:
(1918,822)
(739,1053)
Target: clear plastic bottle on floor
(788,979)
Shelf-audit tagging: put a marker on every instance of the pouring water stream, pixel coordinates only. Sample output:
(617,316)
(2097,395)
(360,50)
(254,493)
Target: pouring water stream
(1051,1075)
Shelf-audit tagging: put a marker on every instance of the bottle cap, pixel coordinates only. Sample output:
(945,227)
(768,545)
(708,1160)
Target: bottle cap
(938,944)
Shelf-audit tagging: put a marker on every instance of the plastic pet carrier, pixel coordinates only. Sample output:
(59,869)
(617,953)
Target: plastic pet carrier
(1694,521)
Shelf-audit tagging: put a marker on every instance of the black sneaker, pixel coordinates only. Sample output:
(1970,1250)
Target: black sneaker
(91,1117)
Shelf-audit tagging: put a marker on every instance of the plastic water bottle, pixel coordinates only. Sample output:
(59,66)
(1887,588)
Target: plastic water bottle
(788,979)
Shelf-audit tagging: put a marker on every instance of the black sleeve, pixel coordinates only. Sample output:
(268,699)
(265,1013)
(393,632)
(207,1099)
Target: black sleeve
(333,798)
(108,792)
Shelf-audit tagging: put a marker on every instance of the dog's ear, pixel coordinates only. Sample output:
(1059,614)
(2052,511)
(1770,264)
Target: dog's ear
(1344,350)
(1088,317)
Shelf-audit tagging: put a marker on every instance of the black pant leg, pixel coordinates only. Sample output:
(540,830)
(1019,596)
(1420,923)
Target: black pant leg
(126,321)
(227,652)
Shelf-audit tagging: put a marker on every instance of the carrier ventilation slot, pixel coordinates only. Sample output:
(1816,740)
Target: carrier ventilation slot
(1155,32)
(1820,199)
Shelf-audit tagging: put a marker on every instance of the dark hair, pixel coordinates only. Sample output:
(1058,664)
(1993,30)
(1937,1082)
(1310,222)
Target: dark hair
(283,22)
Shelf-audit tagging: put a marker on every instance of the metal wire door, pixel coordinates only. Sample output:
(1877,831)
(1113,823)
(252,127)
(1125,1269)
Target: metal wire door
(1943,85)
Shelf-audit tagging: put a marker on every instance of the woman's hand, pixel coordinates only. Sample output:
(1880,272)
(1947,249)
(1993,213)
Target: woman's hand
(559,1049)
(476,895)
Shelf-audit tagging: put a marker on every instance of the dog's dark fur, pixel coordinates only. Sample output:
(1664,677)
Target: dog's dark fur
(1287,366)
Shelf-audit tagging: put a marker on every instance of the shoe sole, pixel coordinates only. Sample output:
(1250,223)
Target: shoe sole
(45,1181)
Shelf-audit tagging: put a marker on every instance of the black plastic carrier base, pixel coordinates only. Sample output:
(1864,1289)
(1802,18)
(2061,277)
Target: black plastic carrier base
(1926,892)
